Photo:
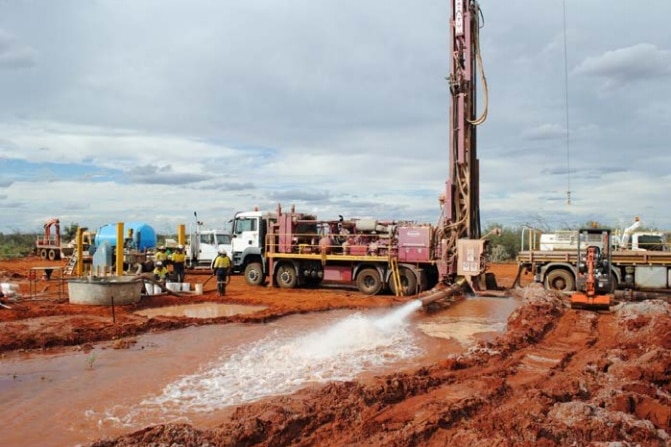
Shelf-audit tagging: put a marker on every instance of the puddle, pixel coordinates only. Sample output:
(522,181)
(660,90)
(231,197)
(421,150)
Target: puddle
(197,375)
(470,320)
(200,310)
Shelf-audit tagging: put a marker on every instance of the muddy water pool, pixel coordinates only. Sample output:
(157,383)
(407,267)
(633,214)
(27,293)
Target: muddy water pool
(197,374)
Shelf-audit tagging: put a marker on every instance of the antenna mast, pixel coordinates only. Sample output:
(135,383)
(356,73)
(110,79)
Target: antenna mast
(568,139)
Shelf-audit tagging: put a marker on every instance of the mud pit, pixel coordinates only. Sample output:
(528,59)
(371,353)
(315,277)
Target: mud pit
(556,377)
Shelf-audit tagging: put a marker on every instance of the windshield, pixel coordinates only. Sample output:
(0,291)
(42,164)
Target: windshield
(223,239)
(245,224)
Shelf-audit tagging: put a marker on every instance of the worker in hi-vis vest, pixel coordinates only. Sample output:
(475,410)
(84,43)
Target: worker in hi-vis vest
(160,272)
(221,267)
(178,258)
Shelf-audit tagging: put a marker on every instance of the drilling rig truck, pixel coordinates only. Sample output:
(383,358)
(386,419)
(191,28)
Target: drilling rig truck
(297,249)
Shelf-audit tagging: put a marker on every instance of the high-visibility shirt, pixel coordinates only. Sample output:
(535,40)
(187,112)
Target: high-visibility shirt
(161,256)
(178,257)
(222,262)
(161,271)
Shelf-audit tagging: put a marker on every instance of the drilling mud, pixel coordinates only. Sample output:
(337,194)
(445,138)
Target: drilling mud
(200,310)
(197,374)
(553,377)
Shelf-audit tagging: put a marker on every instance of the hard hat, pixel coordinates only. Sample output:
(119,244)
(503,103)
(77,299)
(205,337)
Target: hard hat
(159,263)
(161,247)
(222,251)
(180,247)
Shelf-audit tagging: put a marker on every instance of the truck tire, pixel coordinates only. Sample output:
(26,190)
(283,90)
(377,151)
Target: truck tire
(368,282)
(254,274)
(561,280)
(614,284)
(408,282)
(43,253)
(52,255)
(286,276)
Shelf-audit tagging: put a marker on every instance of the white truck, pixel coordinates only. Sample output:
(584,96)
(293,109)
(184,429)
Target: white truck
(203,245)
(641,260)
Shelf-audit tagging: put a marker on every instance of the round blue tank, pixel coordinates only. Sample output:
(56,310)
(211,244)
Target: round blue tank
(142,236)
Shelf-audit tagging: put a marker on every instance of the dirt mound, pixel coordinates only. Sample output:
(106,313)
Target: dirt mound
(556,377)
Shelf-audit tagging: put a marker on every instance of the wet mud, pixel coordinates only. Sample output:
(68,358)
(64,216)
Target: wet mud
(554,377)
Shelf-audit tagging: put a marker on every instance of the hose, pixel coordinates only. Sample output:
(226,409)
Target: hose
(483,78)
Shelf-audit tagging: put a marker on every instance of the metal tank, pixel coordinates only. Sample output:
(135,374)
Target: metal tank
(141,235)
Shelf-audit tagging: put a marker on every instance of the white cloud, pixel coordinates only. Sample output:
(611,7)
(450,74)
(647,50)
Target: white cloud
(637,63)
(152,110)
(544,132)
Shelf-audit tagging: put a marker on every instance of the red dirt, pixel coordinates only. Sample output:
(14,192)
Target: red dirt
(556,377)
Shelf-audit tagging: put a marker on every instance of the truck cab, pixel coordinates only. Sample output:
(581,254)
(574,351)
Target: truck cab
(249,229)
(203,246)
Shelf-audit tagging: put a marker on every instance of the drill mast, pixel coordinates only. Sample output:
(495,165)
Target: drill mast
(461,209)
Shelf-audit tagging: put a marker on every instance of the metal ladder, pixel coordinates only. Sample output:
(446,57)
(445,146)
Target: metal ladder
(70,267)
(396,276)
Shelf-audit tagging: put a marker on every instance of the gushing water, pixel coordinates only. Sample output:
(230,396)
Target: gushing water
(282,363)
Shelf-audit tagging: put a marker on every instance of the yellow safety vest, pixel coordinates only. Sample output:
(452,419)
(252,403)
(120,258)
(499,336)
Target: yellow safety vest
(222,262)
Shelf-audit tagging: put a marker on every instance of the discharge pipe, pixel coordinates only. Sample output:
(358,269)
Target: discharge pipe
(636,295)
(436,294)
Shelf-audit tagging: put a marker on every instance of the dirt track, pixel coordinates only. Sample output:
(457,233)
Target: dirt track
(556,377)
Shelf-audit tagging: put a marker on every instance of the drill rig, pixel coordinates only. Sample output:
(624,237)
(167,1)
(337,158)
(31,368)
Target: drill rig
(459,232)
(297,249)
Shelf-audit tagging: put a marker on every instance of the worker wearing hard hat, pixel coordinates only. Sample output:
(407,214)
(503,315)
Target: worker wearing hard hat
(160,272)
(178,258)
(221,267)
(161,255)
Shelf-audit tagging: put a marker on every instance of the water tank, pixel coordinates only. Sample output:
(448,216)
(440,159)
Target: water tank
(144,236)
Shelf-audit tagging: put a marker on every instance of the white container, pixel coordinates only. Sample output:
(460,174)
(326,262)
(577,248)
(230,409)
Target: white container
(157,289)
(9,289)
(186,287)
(199,288)
(149,288)
(173,286)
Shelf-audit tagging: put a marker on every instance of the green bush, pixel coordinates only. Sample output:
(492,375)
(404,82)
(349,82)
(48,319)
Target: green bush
(16,245)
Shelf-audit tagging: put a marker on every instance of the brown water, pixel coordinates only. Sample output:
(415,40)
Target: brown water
(197,374)
(201,310)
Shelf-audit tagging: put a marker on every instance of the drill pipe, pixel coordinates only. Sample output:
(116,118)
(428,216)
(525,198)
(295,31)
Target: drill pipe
(635,295)
(436,294)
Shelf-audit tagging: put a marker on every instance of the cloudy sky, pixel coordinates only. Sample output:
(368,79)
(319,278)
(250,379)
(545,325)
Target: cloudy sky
(149,110)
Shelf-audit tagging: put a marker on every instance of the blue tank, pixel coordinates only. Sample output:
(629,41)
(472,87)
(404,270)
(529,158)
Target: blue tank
(143,236)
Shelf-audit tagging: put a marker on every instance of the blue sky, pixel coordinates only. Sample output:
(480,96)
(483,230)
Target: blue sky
(149,110)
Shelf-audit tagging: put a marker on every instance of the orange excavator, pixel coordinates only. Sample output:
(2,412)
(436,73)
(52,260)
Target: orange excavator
(594,284)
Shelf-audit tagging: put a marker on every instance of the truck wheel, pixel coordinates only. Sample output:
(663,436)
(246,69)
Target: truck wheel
(43,253)
(52,255)
(254,274)
(614,284)
(368,282)
(561,280)
(408,282)
(286,276)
